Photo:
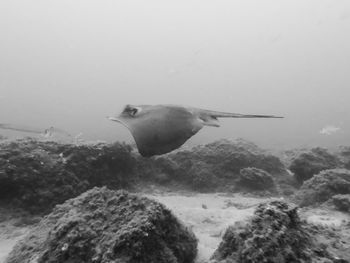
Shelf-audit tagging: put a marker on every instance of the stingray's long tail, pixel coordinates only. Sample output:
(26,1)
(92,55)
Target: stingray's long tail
(217,114)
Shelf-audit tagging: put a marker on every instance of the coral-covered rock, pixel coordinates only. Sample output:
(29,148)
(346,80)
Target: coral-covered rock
(103,226)
(212,167)
(202,178)
(308,164)
(255,179)
(275,234)
(342,202)
(323,186)
(37,175)
(344,156)
(221,162)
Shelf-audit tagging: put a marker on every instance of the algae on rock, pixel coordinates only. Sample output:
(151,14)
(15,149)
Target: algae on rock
(275,234)
(323,186)
(103,226)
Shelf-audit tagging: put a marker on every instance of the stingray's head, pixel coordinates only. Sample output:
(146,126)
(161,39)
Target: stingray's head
(130,115)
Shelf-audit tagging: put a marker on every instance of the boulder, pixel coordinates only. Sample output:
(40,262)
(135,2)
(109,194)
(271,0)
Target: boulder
(103,226)
(37,175)
(255,179)
(307,164)
(344,156)
(217,165)
(342,202)
(275,234)
(323,186)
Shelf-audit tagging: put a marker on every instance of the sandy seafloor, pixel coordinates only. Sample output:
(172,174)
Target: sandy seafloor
(207,215)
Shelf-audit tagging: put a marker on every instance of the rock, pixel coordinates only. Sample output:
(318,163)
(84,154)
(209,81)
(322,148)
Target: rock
(344,156)
(342,202)
(232,156)
(202,178)
(217,165)
(308,164)
(275,234)
(162,178)
(255,179)
(103,226)
(323,186)
(37,175)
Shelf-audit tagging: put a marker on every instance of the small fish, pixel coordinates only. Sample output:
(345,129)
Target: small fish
(329,130)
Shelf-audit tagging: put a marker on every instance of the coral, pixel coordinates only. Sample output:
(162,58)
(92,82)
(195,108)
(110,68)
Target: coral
(342,202)
(323,186)
(103,226)
(307,164)
(275,234)
(255,179)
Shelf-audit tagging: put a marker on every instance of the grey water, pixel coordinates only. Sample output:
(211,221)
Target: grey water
(69,64)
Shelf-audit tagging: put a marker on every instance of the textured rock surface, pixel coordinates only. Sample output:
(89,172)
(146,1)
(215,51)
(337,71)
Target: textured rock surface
(232,156)
(323,186)
(275,234)
(103,226)
(308,164)
(255,179)
(38,175)
(217,165)
(344,155)
(342,202)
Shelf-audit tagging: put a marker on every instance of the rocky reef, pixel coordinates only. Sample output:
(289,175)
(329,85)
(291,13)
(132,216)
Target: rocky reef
(37,175)
(216,166)
(344,156)
(342,202)
(255,179)
(275,234)
(323,186)
(309,163)
(103,226)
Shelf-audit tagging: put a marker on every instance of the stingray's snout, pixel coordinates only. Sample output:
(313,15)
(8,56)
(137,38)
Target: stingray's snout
(119,119)
(114,119)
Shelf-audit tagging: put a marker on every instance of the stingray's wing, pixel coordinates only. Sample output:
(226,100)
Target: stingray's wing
(164,131)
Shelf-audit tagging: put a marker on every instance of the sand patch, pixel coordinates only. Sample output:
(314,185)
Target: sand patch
(208,215)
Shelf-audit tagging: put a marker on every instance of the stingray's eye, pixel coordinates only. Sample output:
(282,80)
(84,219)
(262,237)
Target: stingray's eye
(133,111)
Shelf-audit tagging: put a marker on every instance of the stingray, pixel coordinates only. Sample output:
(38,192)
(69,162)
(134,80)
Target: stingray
(21,128)
(160,129)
